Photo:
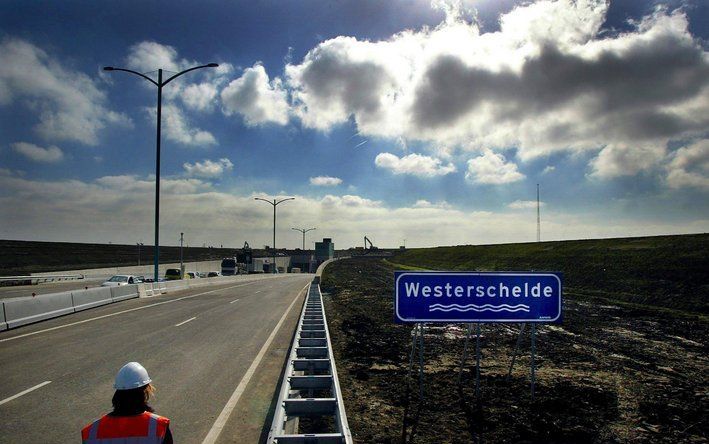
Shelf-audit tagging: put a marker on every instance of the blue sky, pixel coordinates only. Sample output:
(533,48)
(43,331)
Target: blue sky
(429,122)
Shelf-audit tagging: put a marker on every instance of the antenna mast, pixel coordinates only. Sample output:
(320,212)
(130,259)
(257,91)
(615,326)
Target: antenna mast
(539,223)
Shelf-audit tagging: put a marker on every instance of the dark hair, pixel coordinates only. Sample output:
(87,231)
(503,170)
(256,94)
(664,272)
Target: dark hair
(133,401)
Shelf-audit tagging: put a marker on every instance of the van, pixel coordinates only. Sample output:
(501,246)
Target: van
(173,274)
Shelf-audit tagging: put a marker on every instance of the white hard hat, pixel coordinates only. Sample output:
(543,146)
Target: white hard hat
(131,376)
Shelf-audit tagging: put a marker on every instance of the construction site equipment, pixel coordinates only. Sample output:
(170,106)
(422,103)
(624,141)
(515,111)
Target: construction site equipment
(310,387)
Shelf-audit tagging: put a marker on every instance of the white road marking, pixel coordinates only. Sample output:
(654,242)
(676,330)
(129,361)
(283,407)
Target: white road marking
(124,311)
(235,300)
(24,392)
(258,291)
(219,424)
(184,322)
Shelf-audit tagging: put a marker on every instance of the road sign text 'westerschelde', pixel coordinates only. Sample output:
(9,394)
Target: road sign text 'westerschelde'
(477,297)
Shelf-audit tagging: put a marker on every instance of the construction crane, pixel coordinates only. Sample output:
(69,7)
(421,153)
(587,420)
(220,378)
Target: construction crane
(371,245)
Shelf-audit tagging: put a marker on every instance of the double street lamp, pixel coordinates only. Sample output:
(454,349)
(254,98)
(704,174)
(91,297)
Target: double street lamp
(303,230)
(160,83)
(275,203)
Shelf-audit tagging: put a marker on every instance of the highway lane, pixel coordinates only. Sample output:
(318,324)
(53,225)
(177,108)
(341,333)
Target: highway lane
(196,347)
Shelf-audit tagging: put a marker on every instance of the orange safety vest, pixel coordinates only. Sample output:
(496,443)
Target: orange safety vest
(146,428)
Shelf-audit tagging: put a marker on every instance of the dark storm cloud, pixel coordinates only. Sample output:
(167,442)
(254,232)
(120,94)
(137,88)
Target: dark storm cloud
(331,76)
(630,83)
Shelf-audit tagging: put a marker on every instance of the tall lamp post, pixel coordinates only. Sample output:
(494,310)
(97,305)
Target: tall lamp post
(274,203)
(160,83)
(303,230)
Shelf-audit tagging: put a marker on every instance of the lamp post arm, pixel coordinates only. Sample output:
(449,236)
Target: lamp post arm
(265,200)
(283,200)
(211,65)
(108,68)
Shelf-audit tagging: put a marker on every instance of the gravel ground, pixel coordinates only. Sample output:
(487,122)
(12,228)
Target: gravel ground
(609,373)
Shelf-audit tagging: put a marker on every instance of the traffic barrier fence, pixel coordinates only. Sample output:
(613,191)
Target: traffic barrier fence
(90,298)
(28,310)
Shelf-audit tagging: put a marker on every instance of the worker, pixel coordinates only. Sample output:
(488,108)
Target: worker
(132,419)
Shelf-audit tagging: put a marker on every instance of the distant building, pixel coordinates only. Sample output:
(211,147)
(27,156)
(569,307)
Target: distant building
(304,260)
(324,250)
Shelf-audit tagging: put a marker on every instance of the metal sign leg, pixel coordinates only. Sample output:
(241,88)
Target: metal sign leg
(534,331)
(421,364)
(413,349)
(477,361)
(514,354)
(465,353)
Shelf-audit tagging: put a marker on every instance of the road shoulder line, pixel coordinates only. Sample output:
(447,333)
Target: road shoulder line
(223,417)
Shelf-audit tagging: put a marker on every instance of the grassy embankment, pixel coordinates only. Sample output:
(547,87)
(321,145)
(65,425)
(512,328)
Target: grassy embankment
(663,271)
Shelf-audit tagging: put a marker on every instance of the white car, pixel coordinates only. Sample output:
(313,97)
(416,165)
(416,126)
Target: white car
(192,275)
(121,279)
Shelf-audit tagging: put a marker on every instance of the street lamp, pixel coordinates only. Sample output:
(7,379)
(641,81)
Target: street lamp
(160,83)
(274,203)
(303,230)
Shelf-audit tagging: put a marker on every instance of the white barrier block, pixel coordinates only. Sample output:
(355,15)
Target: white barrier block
(124,292)
(3,324)
(148,289)
(33,309)
(90,298)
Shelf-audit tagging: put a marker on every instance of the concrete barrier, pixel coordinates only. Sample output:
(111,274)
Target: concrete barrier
(90,298)
(175,285)
(124,292)
(28,310)
(3,324)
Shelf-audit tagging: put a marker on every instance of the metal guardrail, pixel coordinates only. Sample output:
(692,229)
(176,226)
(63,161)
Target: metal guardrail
(310,388)
(33,280)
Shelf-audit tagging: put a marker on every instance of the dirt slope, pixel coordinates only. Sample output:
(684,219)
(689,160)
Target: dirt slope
(610,373)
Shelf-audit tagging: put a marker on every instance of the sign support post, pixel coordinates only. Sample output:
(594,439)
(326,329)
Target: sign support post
(477,361)
(514,354)
(421,364)
(465,353)
(534,331)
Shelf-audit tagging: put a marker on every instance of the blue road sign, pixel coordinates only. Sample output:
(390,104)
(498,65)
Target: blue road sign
(477,297)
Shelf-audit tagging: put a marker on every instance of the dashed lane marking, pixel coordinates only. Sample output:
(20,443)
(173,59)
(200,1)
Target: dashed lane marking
(184,322)
(24,392)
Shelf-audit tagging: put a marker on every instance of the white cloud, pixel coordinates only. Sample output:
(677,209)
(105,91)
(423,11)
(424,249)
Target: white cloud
(258,99)
(491,168)
(689,166)
(524,204)
(148,56)
(177,127)
(120,209)
(414,164)
(626,160)
(547,81)
(39,154)
(548,169)
(208,168)
(325,181)
(200,96)
(68,104)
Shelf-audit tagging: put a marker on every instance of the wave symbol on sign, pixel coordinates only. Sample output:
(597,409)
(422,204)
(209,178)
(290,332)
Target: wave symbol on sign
(479,308)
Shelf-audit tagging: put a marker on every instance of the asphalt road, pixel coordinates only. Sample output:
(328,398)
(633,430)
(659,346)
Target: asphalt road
(196,344)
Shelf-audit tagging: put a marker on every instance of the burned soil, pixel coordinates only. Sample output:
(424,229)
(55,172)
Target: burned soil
(610,373)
